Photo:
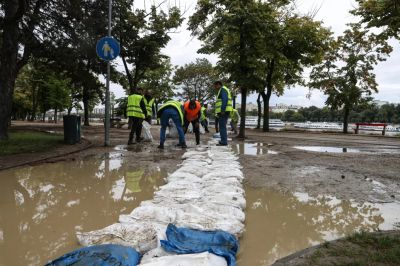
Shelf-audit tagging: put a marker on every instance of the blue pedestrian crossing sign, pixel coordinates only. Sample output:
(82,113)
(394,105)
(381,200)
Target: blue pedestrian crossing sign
(107,48)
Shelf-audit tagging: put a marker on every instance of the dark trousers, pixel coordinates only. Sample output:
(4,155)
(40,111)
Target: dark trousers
(136,128)
(196,129)
(204,123)
(148,119)
(217,124)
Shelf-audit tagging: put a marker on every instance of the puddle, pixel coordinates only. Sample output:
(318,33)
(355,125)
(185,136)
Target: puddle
(252,149)
(279,224)
(43,206)
(326,149)
(389,150)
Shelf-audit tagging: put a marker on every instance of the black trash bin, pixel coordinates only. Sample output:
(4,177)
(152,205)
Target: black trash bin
(72,129)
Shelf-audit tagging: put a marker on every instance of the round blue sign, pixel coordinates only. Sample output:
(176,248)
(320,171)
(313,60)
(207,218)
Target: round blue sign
(107,48)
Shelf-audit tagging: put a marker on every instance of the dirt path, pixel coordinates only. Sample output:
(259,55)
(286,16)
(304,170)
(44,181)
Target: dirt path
(371,173)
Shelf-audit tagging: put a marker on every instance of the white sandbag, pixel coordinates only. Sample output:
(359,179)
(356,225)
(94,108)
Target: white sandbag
(201,259)
(172,132)
(205,193)
(147,137)
(143,237)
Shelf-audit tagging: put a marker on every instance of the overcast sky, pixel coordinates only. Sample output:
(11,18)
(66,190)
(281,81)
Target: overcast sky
(334,13)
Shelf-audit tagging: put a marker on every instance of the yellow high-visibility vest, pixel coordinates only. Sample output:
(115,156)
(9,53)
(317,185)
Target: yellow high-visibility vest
(132,180)
(203,114)
(149,106)
(218,104)
(177,105)
(134,109)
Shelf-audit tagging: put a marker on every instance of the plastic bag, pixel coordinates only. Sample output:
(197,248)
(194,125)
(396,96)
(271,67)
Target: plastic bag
(202,130)
(146,132)
(184,241)
(172,132)
(102,255)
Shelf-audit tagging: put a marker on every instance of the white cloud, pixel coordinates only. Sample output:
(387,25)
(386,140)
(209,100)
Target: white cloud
(334,13)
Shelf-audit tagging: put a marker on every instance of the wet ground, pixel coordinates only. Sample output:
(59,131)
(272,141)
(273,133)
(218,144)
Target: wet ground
(278,224)
(296,196)
(43,206)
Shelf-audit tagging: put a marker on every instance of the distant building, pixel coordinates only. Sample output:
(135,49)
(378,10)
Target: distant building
(281,108)
(250,107)
(379,103)
(98,111)
(278,108)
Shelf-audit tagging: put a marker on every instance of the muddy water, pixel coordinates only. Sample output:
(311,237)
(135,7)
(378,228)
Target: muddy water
(42,207)
(252,149)
(279,224)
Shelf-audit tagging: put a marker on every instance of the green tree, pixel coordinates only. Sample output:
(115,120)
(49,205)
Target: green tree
(142,36)
(291,43)
(384,14)
(346,74)
(195,80)
(231,29)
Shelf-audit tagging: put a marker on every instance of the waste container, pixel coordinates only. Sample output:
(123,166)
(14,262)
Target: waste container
(72,129)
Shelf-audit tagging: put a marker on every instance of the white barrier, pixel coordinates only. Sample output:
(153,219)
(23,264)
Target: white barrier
(205,193)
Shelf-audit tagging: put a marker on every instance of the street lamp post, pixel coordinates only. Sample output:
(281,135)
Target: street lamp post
(107,107)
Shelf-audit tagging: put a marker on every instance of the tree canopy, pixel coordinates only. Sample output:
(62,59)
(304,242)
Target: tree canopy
(346,74)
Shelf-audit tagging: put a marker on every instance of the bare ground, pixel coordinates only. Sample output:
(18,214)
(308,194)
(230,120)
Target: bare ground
(370,175)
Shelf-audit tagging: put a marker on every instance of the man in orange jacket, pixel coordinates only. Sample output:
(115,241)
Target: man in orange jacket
(192,115)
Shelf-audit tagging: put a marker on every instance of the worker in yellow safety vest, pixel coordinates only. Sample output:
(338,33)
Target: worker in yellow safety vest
(171,110)
(223,108)
(137,112)
(204,117)
(149,102)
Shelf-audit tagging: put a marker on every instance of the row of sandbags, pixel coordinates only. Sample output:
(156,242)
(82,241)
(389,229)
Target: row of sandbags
(205,193)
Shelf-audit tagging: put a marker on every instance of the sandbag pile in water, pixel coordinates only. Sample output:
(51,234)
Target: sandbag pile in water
(205,193)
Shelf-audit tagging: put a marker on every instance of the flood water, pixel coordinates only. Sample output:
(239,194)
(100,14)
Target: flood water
(43,206)
(252,149)
(278,224)
(381,150)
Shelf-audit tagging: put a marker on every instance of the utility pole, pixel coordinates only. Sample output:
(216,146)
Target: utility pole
(107,107)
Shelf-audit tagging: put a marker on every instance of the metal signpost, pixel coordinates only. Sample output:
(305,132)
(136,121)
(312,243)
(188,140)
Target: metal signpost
(108,49)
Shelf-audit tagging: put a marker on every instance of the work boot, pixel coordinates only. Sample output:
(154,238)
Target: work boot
(130,142)
(183,145)
(220,144)
(161,146)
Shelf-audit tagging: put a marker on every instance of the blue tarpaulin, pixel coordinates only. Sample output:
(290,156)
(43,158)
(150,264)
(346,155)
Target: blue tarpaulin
(101,255)
(187,241)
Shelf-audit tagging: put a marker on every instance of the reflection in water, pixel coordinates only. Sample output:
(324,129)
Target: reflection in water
(279,224)
(41,207)
(326,149)
(252,149)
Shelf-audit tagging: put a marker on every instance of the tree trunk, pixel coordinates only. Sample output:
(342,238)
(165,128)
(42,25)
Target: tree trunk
(242,131)
(69,110)
(34,104)
(44,117)
(346,119)
(259,112)
(86,111)
(13,12)
(267,96)
(55,115)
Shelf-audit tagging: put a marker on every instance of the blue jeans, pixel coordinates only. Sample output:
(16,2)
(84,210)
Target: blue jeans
(167,114)
(222,121)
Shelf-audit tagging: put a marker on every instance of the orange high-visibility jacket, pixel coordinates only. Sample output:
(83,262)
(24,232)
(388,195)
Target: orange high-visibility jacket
(192,115)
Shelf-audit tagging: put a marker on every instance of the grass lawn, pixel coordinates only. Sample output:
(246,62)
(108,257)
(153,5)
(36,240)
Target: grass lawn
(28,141)
(360,249)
